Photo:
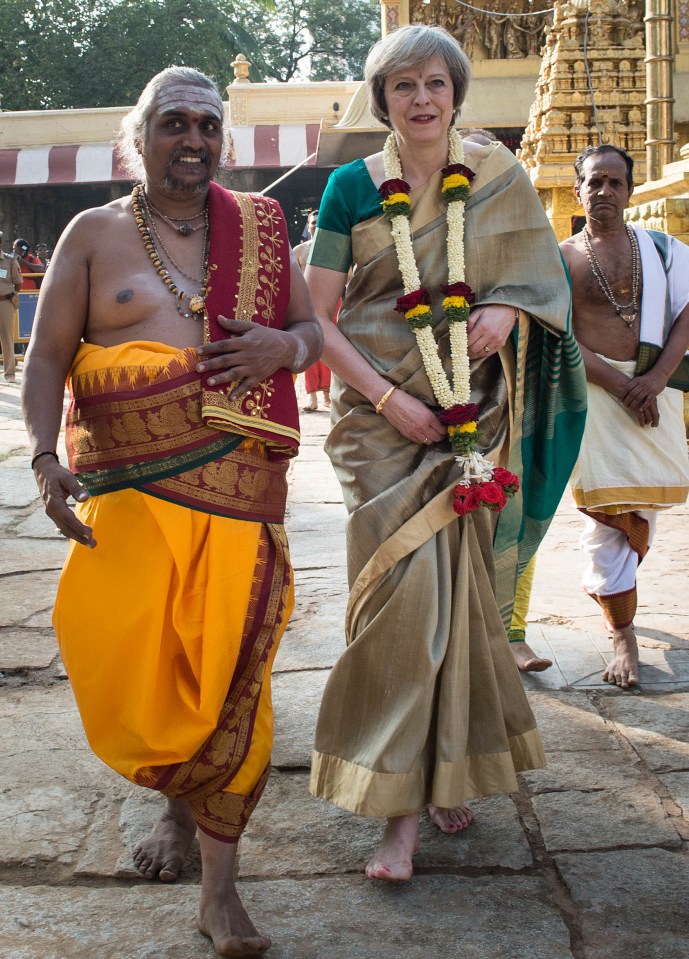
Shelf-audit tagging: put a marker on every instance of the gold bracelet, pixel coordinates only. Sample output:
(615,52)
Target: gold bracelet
(384,398)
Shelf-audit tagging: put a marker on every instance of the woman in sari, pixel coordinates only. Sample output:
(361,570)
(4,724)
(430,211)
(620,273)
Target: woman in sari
(458,301)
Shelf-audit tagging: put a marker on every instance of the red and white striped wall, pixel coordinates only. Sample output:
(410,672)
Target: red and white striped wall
(278,146)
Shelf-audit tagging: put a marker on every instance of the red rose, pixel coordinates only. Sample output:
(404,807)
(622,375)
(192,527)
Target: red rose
(505,478)
(459,289)
(493,496)
(466,499)
(453,168)
(388,187)
(456,415)
(409,300)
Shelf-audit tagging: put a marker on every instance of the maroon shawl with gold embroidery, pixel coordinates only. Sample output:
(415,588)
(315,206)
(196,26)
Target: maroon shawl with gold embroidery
(163,430)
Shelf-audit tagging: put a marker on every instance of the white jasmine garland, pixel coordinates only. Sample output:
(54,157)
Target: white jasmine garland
(447,394)
(477,471)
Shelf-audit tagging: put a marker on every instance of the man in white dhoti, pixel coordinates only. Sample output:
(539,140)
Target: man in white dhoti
(631,319)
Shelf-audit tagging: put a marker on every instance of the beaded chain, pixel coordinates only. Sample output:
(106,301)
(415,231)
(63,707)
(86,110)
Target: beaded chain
(602,279)
(185,228)
(188,276)
(197,301)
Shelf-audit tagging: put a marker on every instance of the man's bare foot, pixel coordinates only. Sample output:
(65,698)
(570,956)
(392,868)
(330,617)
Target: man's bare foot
(228,925)
(312,405)
(451,820)
(393,860)
(161,854)
(527,661)
(222,916)
(623,668)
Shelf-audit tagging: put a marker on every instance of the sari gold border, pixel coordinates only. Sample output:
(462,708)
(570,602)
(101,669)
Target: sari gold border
(377,794)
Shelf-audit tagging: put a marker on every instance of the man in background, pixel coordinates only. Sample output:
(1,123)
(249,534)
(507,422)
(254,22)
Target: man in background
(10,284)
(630,316)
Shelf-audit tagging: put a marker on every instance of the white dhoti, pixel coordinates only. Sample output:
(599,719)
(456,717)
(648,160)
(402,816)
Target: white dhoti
(626,472)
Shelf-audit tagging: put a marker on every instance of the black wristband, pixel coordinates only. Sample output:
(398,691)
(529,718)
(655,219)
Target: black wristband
(44,453)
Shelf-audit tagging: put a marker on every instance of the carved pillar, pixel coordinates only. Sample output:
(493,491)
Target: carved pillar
(393,14)
(659,63)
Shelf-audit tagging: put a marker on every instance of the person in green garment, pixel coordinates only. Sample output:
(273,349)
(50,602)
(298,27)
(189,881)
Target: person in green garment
(425,707)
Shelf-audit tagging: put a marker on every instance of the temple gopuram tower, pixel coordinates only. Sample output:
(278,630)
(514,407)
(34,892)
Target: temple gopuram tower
(591,89)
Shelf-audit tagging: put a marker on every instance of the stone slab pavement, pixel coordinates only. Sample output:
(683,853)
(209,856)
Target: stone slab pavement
(589,860)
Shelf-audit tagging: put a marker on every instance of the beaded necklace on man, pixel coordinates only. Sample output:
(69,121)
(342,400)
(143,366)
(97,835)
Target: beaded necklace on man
(622,309)
(185,228)
(143,219)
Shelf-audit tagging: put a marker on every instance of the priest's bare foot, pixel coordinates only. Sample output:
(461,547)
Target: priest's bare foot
(527,661)
(222,916)
(451,820)
(623,668)
(393,860)
(161,854)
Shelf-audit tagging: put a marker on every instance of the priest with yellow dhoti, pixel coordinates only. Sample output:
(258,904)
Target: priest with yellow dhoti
(179,339)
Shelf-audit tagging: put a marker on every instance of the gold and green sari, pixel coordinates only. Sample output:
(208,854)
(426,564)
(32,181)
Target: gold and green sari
(426,705)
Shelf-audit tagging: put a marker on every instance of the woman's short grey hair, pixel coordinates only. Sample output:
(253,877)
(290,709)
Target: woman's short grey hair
(409,48)
(134,126)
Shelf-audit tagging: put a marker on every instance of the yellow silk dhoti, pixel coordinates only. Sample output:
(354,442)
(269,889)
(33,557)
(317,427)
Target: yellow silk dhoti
(168,630)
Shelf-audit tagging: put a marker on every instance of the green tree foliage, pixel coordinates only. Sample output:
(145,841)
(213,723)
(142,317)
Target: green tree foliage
(312,39)
(97,53)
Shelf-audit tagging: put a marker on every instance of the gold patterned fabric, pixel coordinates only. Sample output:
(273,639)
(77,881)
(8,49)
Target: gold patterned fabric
(136,420)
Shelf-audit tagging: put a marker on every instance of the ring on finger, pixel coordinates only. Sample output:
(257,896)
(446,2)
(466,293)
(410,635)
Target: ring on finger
(486,349)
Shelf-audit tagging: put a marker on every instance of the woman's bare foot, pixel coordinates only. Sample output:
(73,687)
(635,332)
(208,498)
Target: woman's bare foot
(312,405)
(393,860)
(161,854)
(623,668)
(527,661)
(451,820)
(222,916)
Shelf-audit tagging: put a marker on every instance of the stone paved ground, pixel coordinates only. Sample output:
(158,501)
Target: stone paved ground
(589,860)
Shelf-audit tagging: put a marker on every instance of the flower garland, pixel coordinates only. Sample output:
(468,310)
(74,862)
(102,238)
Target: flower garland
(481,483)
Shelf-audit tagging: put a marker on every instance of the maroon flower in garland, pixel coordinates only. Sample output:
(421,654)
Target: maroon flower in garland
(456,415)
(416,307)
(395,198)
(458,297)
(459,289)
(456,182)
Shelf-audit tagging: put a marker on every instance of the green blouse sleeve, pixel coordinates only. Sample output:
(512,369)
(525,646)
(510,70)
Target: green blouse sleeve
(349,197)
